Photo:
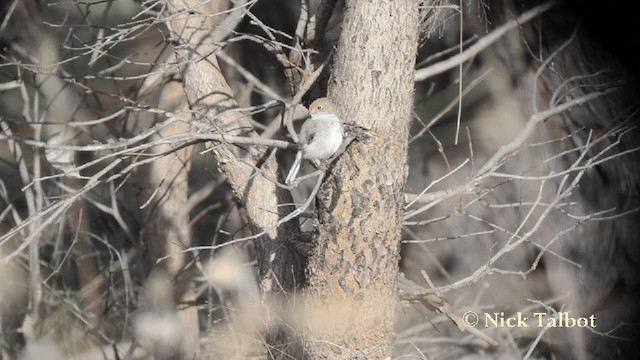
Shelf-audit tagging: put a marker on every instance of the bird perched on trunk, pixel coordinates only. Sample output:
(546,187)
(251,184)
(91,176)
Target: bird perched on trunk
(320,137)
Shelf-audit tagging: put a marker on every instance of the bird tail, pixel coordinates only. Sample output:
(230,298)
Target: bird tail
(293,173)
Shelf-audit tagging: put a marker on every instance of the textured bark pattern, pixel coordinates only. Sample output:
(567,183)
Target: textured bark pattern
(353,266)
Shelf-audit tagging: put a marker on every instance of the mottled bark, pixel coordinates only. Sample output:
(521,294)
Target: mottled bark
(354,263)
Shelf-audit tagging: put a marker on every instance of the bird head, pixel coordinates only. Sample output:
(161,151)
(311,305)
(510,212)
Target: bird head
(322,105)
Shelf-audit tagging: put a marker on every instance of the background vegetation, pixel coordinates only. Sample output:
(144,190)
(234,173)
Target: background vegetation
(143,212)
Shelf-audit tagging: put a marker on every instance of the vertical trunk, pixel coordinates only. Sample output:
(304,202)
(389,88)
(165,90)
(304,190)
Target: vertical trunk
(250,172)
(353,266)
(164,184)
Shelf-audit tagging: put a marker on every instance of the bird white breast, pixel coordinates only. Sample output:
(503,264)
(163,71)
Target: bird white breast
(327,136)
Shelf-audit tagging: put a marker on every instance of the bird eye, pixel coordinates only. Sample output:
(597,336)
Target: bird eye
(319,107)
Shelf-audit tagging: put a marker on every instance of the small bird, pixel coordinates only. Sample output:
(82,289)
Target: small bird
(320,137)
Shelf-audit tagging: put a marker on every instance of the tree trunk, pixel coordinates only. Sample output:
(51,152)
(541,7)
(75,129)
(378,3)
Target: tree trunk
(354,263)
(250,172)
(164,190)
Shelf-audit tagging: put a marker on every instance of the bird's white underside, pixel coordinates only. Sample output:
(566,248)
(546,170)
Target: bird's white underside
(321,136)
(325,141)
